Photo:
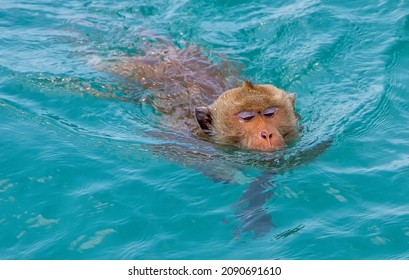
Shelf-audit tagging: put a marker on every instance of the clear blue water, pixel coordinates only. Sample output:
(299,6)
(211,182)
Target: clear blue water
(79,178)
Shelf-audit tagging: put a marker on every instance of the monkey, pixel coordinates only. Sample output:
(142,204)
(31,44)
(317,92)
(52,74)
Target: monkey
(213,103)
(197,96)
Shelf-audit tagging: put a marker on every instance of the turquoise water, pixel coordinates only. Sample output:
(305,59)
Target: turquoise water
(81,179)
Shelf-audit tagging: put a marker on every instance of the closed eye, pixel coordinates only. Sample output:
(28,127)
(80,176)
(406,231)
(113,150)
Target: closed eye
(269,112)
(246,116)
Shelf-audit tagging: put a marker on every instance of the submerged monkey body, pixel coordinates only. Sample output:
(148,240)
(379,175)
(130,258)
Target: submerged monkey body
(201,97)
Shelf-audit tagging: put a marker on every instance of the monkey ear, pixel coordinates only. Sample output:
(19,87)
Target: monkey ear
(247,85)
(204,119)
(293,98)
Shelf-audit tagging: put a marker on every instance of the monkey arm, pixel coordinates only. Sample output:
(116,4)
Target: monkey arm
(250,208)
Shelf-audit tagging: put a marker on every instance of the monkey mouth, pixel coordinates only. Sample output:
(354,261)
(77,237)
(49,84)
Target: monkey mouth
(272,144)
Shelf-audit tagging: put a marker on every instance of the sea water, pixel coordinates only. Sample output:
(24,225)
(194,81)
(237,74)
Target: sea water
(80,179)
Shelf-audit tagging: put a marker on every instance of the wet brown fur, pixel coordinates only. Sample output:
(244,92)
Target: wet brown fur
(185,82)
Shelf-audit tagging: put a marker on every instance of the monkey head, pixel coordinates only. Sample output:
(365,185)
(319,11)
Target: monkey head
(258,117)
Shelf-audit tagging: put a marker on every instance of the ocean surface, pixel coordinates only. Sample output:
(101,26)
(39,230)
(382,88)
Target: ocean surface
(84,175)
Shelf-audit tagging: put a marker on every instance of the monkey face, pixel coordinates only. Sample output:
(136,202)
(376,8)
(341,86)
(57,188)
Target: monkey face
(260,130)
(258,117)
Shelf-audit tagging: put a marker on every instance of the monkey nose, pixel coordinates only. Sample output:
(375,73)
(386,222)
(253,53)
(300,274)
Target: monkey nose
(265,135)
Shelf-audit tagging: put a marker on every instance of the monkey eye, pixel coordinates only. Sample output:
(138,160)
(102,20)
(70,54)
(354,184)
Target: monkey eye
(269,112)
(246,116)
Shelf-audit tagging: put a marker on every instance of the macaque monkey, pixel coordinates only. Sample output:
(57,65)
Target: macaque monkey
(197,96)
(206,99)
